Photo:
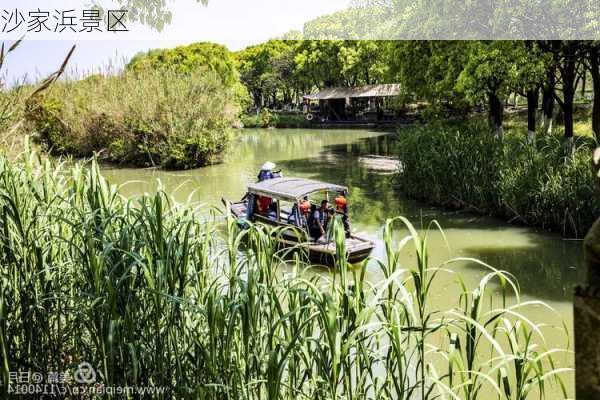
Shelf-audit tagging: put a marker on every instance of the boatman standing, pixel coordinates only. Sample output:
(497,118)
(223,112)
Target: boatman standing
(266,172)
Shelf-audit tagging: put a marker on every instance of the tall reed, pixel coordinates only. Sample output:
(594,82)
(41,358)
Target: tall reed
(460,165)
(151,292)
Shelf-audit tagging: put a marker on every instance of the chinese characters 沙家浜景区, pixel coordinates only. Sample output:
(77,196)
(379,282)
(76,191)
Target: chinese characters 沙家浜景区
(59,21)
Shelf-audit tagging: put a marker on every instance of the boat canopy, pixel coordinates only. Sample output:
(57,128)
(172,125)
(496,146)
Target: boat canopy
(292,189)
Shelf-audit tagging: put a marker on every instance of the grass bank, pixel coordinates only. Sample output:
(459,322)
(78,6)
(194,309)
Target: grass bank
(460,165)
(152,294)
(147,118)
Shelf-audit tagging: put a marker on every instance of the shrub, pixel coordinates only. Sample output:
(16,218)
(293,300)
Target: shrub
(147,118)
(268,119)
(194,58)
(461,165)
(264,119)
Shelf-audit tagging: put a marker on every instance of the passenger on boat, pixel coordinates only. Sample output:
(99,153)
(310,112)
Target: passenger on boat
(263,204)
(299,214)
(266,172)
(341,208)
(317,223)
(272,213)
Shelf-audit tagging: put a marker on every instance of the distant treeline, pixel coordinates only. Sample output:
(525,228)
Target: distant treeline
(451,77)
(447,78)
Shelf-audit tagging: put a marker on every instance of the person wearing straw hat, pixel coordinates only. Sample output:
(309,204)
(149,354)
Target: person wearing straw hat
(266,172)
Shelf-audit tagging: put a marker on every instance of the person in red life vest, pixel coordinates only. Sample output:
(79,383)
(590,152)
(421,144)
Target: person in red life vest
(299,214)
(264,203)
(341,208)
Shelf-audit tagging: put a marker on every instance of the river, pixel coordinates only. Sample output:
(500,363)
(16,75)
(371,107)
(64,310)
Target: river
(545,265)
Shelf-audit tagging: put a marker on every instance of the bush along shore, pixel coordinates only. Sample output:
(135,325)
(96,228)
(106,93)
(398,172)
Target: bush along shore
(461,165)
(143,118)
(150,293)
(270,119)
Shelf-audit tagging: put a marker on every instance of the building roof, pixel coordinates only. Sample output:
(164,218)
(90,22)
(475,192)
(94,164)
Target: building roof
(385,90)
(292,189)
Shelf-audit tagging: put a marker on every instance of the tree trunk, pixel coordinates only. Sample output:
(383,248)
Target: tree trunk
(568,73)
(548,103)
(496,111)
(595,67)
(532,103)
(567,111)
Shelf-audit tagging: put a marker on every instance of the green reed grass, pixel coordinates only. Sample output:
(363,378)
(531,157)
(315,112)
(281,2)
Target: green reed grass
(534,184)
(152,292)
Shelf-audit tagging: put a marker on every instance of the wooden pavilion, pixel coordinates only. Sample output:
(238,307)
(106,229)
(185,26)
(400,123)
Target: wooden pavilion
(352,104)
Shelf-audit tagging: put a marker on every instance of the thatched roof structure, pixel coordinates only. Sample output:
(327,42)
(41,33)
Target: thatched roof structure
(385,90)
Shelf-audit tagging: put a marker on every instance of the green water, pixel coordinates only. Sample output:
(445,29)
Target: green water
(545,265)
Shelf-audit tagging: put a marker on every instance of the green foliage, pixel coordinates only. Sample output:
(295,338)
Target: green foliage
(268,119)
(264,119)
(268,70)
(502,67)
(155,293)
(144,118)
(342,62)
(456,19)
(429,70)
(279,71)
(461,165)
(199,57)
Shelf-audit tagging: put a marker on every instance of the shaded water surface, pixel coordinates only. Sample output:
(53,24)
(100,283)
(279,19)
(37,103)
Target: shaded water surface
(545,265)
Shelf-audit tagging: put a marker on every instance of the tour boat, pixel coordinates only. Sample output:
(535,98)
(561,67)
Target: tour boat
(286,196)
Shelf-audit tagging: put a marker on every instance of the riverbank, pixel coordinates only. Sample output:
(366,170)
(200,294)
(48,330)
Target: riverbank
(459,165)
(295,120)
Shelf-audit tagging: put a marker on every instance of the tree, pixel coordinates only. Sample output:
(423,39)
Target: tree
(319,62)
(196,57)
(458,19)
(531,66)
(269,70)
(594,67)
(489,74)
(567,57)
(548,89)
(429,70)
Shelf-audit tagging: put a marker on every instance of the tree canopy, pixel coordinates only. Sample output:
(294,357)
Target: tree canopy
(186,59)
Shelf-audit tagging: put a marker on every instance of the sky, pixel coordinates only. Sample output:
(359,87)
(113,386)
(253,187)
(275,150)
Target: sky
(234,23)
